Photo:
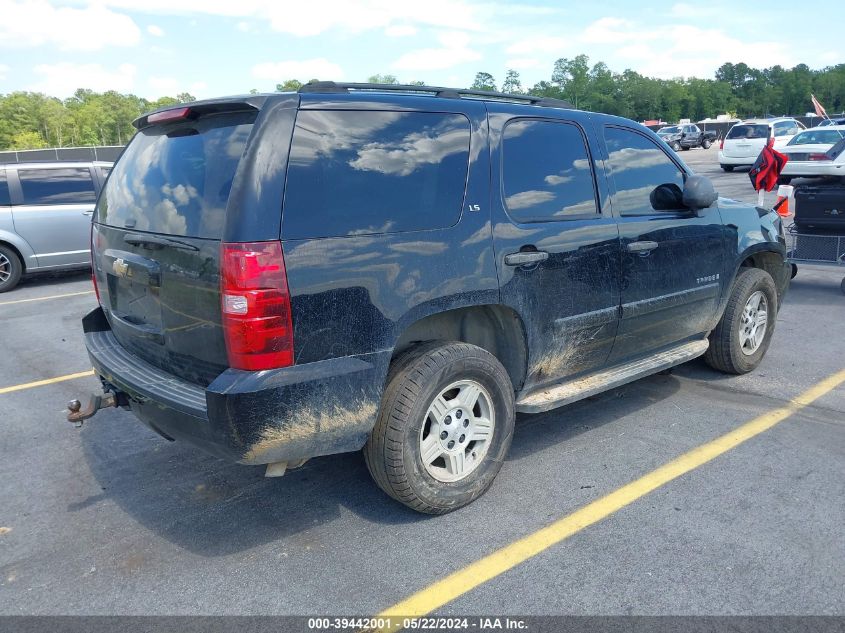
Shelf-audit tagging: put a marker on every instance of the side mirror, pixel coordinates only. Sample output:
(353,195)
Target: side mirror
(699,193)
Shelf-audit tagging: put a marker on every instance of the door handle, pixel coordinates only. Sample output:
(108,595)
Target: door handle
(525,257)
(643,248)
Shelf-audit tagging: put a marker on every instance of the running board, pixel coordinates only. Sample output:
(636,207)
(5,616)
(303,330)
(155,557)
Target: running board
(557,395)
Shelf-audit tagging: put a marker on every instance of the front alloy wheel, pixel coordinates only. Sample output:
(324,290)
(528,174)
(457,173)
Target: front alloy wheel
(752,326)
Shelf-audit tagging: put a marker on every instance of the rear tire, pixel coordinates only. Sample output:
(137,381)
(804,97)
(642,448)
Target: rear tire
(439,394)
(676,146)
(705,144)
(11,268)
(727,168)
(686,148)
(736,344)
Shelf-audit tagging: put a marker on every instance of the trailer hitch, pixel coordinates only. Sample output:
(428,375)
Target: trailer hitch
(76,414)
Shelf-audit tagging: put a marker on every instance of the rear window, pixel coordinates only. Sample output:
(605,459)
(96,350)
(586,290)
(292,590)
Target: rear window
(67,185)
(748,131)
(816,136)
(175,179)
(5,200)
(358,173)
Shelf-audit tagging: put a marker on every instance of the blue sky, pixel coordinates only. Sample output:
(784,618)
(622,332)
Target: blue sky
(211,47)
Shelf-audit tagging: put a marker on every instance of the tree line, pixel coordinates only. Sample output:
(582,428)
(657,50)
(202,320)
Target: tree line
(30,120)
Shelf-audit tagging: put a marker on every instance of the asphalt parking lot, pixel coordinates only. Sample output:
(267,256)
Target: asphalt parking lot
(112,519)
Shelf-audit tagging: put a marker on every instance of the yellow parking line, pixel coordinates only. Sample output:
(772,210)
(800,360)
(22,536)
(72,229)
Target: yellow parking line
(460,582)
(48,381)
(69,294)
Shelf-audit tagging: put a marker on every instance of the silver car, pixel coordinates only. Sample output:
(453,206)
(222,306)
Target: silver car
(45,216)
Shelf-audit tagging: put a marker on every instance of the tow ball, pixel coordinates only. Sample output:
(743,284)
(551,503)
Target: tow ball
(76,414)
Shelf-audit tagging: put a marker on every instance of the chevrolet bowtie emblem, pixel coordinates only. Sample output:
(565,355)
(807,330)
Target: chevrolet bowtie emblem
(120,267)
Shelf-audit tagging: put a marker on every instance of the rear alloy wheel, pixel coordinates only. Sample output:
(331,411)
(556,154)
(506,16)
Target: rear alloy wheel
(444,427)
(741,338)
(676,146)
(705,144)
(10,268)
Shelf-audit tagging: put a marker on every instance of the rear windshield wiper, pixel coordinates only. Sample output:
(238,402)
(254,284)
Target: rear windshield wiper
(153,242)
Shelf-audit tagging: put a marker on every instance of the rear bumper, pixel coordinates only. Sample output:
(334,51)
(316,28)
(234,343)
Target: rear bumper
(736,160)
(813,168)
(262,417)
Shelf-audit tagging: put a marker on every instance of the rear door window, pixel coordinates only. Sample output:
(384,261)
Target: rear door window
(738,132)
(5,200)
(175,179)
(547,173)
(358,173)
(65,185)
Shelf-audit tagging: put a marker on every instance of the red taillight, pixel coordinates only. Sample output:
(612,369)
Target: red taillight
(818,157)
(93,268)
(256,306)
(722,144)
(176,114)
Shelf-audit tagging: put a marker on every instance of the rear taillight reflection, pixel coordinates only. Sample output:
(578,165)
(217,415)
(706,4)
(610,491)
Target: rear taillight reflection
(255,302)
(818,157)
(93,264)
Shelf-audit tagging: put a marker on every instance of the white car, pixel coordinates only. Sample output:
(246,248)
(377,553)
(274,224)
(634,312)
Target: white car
(816,152)
(746,140)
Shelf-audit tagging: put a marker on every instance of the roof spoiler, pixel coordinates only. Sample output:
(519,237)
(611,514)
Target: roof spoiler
(198,108)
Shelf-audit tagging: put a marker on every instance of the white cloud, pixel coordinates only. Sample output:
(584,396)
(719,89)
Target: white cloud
(4,69)
(244,27)
(455,50)
(155,31)
(162,87)
(540,44)
(313,18)
(303,70)
(63,79)
(522,63)
(400,30)
(27,23)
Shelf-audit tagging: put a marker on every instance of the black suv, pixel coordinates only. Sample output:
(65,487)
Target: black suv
(401,269)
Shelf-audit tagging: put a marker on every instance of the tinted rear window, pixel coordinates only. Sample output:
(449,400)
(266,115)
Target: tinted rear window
(749,131)
(67,185)
(546,171)
(5,201)
(358,173)
(175,179)
(815,136)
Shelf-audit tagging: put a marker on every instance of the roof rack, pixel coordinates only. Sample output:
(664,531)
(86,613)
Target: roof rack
(331,87)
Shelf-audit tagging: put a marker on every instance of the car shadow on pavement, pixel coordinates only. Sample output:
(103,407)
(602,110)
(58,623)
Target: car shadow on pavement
(46,280)
(213,508)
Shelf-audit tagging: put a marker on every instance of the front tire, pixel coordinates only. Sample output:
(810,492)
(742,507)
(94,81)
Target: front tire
(444,427)
(727,168)
(705,144)
(744,333)
(676,146)
(11,268)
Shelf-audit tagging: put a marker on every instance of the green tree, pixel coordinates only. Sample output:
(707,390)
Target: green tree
(289,85)
(383,79)
(27,140)
(484,81)
(512,84)
(572,76)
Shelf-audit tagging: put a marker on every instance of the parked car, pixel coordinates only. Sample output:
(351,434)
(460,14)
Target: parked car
(366,267)
(817,152)
(744,141)
(45,216)
(685,136)
(833,121)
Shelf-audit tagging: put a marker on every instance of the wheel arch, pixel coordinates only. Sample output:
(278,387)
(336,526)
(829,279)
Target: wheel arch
(495,328)
(17,251)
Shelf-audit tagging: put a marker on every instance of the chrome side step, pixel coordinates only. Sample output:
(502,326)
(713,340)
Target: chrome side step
(557,395)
